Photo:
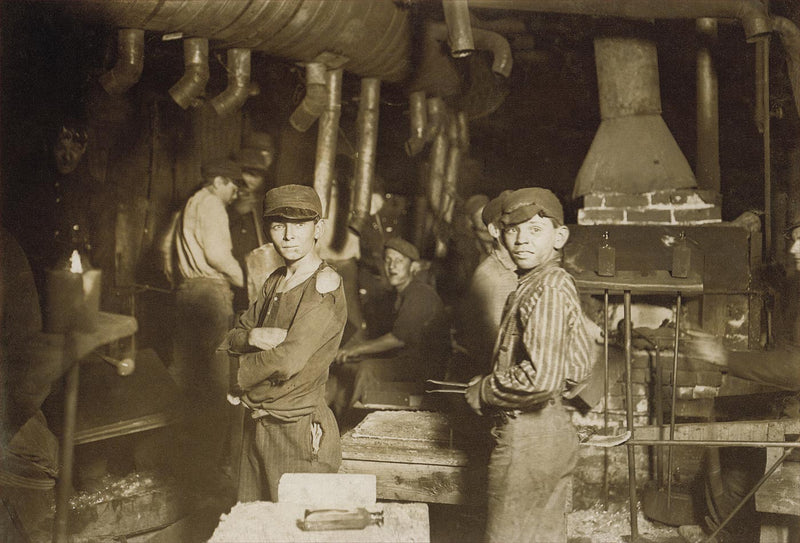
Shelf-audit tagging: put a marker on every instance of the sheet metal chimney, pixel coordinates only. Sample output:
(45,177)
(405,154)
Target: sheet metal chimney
(633,150)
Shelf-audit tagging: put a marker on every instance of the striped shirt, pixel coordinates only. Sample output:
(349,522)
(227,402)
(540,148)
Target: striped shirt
(543,348)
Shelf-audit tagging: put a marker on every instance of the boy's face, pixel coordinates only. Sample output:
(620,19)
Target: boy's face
(294,238)
(534,242)
(68,152)
(398,268)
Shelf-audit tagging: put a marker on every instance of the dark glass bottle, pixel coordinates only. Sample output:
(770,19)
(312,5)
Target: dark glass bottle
(606,258)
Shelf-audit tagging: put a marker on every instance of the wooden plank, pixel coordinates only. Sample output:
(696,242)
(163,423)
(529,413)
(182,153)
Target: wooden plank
(738,430)
(402,452)
(781,492)
(413,482)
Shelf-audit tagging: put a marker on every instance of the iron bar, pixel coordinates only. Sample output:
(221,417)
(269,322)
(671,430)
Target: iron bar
(629,411)
(605,398)
(674,397)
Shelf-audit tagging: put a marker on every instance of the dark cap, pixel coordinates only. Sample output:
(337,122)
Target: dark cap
(223,168)
(250,158)
(292,202)
(474,203)
(792,225)
(494,209)
(403,247)
(523,204)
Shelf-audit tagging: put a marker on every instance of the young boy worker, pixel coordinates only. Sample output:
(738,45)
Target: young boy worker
(285,342)
(542,352)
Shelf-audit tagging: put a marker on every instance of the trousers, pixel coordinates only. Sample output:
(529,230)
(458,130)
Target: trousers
(529,477)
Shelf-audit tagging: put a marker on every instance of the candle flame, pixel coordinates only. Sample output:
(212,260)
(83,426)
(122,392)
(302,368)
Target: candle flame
(75,262)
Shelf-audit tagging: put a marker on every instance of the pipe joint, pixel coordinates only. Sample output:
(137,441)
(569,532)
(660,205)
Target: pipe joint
(130,62)
(315,100)
(192,85)
(502,59)
(459,28)
(235,95)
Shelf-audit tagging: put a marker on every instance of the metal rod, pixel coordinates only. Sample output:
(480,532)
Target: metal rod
(762,50)
(67,446)
(605,398)
(629,411)
(749,495)
(674,398)
(659,418)
(710,443)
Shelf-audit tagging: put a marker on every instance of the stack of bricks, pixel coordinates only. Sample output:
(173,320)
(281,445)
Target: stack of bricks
(681,206)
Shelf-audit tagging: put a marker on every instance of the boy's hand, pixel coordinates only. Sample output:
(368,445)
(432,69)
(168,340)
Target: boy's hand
(266,338)
(473,393)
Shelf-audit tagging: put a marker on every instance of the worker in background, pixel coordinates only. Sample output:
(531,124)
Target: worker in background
(204,309)
(285,343)
(543,353)
(247,230)
(494,279)
(415,347)
(65,209)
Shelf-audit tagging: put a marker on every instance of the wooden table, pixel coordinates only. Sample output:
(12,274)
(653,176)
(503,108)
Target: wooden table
(415,456)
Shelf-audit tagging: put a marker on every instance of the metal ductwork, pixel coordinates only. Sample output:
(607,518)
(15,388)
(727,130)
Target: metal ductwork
(327,138)
(790,37)
(190,87)
(315,100)
(418,119)
(373,36)
(752,13)
(633,150)
(459,27)
(437,113)
(367,121)
(707,164)
(238,89)
(130,62)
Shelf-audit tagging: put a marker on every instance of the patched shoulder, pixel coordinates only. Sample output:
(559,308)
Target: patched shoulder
(327,281)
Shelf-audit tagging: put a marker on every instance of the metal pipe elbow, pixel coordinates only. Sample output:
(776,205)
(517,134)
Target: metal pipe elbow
(235,95)
(502,59)
(193,83)
(315,100)
(130,62)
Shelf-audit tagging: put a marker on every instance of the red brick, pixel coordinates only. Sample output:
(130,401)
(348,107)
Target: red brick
(618,199)
(640,376)
(601,216)
(660,216)
(696,215)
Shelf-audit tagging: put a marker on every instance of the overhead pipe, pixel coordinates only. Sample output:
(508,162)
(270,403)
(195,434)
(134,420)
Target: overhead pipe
(752,13)
(190,87)
(130,62)
(367,121)
(707,168)
(452,172)
(315,100)
(462,128)
(437,117)
(790,37)
(418,117)
(459,28)
(502,59)
(438,158)
(374,37)
(327,138)
(235,95)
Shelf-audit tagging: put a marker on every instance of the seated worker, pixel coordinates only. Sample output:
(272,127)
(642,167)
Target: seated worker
(284,343)
(416,345)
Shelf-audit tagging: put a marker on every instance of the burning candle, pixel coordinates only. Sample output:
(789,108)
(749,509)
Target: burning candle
(72,298)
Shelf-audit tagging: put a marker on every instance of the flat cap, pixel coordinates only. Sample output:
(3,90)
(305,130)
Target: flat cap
(221,167)
(494,209)
(523,204)
(292,202)
(403,247)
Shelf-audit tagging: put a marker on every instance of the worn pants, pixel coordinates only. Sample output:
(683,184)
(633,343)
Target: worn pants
(204,313)
(272,447)
(530,476)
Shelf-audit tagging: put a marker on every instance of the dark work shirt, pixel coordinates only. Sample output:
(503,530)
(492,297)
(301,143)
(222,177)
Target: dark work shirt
(419,320)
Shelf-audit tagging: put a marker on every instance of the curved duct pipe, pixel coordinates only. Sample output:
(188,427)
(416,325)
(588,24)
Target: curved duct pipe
(368,111)
(459,28)
(374,36)
(752,13)
(327,138)
(235,95)
(315,100)
(193,83)
(484,39)
(790,37)
(707,167)
(438,157)
(130,62)
(418,118)
(454,154)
